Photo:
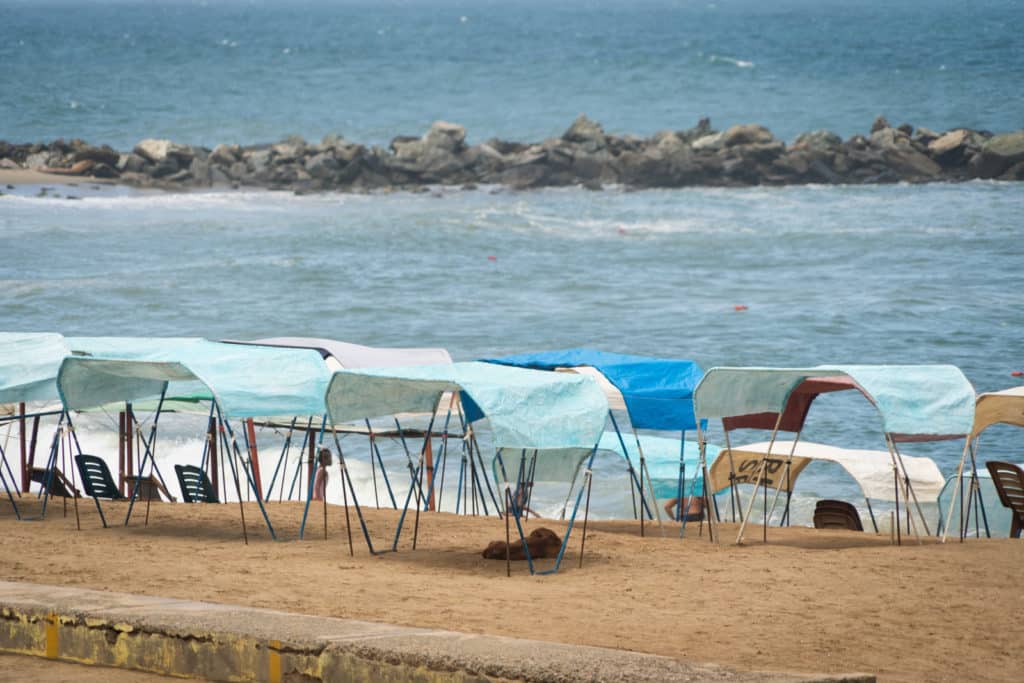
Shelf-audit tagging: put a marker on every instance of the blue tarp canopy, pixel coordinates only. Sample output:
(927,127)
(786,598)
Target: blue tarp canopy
(526,409)
(658,392)
(246,381)
(28,365)
(916,402)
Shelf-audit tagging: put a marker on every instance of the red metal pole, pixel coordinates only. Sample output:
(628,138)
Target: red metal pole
(429,450)
(254,457)
(25,478)
(32,443)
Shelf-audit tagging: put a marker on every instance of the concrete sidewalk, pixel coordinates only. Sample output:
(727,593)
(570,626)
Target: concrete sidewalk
(229,643)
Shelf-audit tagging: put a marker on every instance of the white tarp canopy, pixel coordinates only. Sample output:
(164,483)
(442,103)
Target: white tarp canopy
(355,356)
(873,470)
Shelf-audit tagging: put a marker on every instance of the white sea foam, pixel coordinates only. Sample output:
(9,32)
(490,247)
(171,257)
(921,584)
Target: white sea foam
(741,63)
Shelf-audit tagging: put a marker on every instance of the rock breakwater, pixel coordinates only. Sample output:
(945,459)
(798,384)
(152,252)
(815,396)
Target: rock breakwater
(742,155)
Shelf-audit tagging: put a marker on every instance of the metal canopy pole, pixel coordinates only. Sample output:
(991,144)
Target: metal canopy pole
(285,448)
(416,484)
(148,445)
(252,483)
(908,490)
(712,513)
(952,502)
(636,485)
(762,472)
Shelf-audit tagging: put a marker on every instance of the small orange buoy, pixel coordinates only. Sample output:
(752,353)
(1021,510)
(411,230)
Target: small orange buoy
(1017,373)
(739,307)
(492,258)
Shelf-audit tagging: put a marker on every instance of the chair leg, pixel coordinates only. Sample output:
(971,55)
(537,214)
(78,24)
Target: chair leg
(102,518)
(1016,527)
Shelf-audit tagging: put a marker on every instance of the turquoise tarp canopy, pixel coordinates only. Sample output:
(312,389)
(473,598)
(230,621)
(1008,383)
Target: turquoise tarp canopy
(914,401)
(246,381)
(28,365)
(131,348)
(525,408)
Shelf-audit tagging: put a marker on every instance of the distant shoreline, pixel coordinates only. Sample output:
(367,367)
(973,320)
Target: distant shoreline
(740,156)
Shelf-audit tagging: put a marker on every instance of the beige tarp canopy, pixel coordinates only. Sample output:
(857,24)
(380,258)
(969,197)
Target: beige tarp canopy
(999,407)
(871,469)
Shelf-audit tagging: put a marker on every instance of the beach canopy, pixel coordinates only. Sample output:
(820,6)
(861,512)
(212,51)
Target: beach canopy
(999,407)
(245,381)
(356,355)
(656,392)
(28,365)
(526,409)
(871,469)
(661,455)
(131,348)
(916,402)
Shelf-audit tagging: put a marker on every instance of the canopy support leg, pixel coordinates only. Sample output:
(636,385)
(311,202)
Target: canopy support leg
(588,473)
(952,502)
(761,477)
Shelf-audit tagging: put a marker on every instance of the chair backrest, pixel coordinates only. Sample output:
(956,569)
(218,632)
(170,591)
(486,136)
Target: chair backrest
(195,487)
(96,479)
(836,514)
(1009,482)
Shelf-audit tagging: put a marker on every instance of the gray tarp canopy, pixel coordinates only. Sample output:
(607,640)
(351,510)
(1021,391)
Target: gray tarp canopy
(356,356)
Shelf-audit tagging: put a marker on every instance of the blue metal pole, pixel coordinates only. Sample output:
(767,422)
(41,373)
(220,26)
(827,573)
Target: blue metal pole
(572,518)
(516,514)
(252,483)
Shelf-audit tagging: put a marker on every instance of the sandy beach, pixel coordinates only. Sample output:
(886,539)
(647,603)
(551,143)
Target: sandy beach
(808,601)
(10,176)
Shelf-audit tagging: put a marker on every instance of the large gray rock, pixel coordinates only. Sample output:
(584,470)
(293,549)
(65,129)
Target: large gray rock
(708,142)
(38,160)
(911,164)
(450,137)
(322,166)
(820,141)
(955,148)
(200,171)
(583,131)
(130,163)
(998,154)
(152,150)
(225,155)
(101,155)
(747,134)
(890,138)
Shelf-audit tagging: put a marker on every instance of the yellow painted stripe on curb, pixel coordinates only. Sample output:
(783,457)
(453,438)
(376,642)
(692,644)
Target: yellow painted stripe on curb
(274,662)
(52,637)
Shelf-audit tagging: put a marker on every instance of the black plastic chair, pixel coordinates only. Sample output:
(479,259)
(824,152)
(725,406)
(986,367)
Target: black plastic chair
(97,482)
(195,486)
(836,514)
(1009,481)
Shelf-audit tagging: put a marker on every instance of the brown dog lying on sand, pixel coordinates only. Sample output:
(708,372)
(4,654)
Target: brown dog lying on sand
(542,542)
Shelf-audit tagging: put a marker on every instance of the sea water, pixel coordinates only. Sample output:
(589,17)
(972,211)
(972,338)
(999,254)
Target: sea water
(879,274)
